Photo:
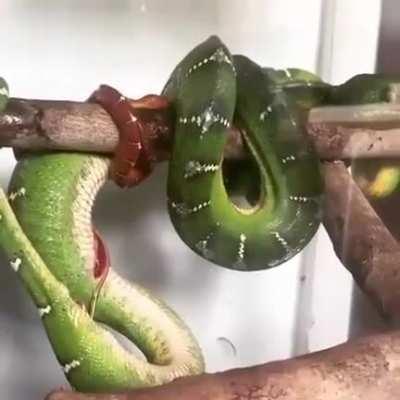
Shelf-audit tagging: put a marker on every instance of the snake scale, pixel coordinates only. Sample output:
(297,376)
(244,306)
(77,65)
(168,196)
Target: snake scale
(46,224)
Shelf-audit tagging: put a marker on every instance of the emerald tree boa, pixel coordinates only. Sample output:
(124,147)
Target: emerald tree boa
(46,222)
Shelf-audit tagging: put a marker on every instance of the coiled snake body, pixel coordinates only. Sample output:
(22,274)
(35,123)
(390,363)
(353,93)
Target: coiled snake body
(51,244)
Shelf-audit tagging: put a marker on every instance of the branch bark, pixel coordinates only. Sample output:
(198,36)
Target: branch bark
(366,368)
(75,126)
(339,132)
(361,241)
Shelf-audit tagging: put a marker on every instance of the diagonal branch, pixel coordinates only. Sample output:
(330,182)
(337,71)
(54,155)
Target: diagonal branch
(361,241)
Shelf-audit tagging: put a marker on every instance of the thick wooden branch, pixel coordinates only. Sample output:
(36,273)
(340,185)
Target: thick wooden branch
(365,131)
(366,369)
(361,241)
(349,132)
(67,125)
(64,125)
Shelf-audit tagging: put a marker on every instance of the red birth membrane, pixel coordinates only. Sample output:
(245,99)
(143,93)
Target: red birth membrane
(132,160)
(133,157)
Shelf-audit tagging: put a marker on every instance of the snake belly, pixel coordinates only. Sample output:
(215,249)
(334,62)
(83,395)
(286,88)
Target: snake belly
(52,197)
(211,90)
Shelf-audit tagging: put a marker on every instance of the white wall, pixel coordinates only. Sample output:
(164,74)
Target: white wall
(63,50)
(348,47)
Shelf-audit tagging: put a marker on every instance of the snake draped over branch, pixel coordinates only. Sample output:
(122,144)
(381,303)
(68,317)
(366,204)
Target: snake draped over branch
(46,222)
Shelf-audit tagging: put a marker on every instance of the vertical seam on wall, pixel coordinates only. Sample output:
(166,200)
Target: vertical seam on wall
(304,313)
(326,43)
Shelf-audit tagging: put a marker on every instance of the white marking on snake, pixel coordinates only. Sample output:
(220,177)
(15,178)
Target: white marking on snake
(44,311)
(288,74)
(300,199)
(282,241)
(67,368)
(219,56)
(4,91)
(205,120)
(242,246)
(240,264)
(264,114)
(183,210)
(288,159)
(302,240)
(19,193)
(15,264)
(193,168)
(274,263)
(121,99)
(203,245)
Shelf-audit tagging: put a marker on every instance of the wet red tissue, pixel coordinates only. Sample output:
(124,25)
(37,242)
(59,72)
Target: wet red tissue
(102,257)
(132,160)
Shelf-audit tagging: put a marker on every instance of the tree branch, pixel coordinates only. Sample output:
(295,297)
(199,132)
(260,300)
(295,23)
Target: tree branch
(339,132)
(361,241)
(67,125)
(366,368)
(349,132)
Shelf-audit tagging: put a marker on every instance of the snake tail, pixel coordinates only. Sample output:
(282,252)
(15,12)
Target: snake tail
(52,196)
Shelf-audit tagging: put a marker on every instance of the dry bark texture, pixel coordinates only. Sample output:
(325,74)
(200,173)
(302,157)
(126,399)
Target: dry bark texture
(361,241)
(365,131)
(367,369)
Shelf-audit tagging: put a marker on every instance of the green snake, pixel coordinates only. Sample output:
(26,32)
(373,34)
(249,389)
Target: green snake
(46,227)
